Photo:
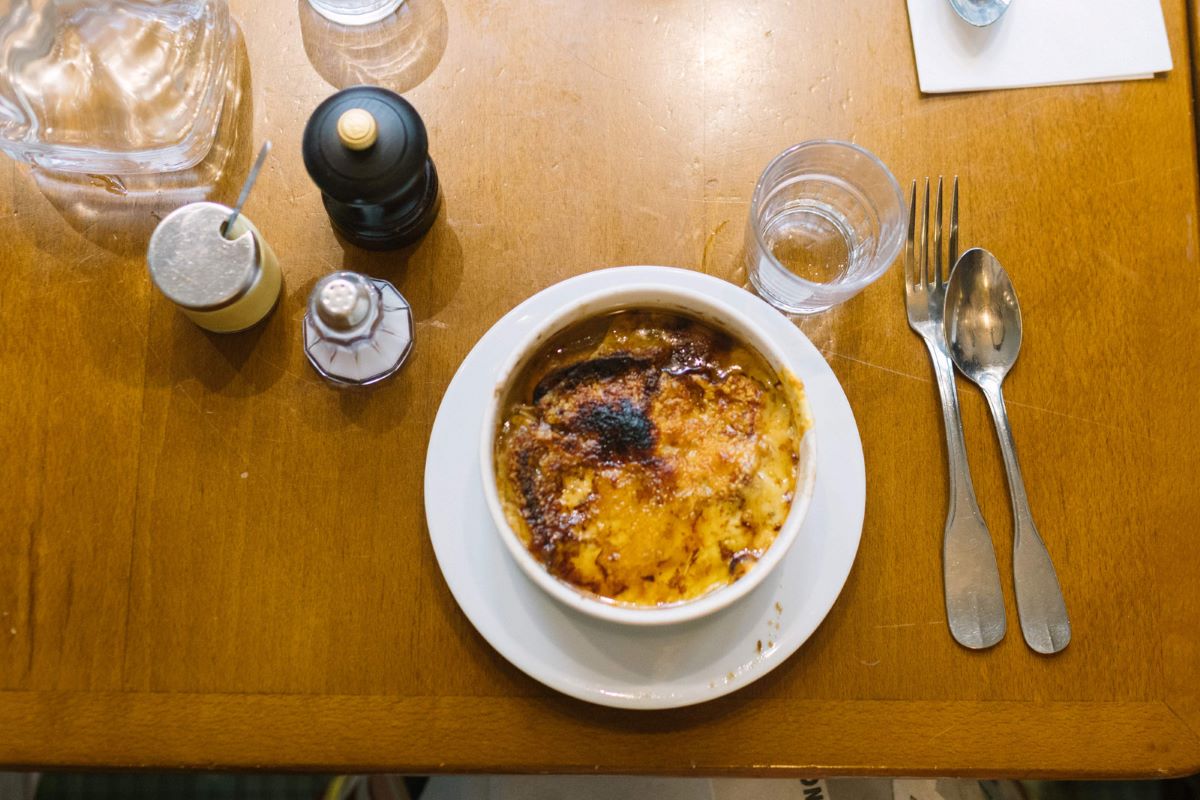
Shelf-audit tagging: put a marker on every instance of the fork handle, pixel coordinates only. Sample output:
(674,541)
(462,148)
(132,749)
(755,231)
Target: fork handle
(974,600)
(1040,604)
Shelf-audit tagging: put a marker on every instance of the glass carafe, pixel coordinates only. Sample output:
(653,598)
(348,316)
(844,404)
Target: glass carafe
(112,86)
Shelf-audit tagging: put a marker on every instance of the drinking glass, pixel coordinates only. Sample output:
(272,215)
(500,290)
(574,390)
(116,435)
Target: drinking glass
(354,12)
(112,86)
(826,220)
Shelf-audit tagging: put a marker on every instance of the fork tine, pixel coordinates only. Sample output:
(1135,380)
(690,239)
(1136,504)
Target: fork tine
(924,266)
(910,256)
(937,238)
(954,226)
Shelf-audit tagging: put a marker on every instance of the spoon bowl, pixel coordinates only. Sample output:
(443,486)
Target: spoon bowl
(980,13)
(983,318)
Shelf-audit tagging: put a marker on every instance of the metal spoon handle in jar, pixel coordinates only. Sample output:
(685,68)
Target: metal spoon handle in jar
(1040,604)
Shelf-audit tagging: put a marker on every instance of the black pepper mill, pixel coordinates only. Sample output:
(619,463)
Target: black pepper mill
(366,149)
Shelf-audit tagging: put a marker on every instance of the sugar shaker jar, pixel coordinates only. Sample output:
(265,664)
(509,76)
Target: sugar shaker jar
(367,150)
(222,280)
(358,330)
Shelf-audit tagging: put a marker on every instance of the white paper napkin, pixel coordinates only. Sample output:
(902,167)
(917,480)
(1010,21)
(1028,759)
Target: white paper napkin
(1038,43)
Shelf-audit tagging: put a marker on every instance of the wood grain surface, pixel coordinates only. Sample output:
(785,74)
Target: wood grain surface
(211,558)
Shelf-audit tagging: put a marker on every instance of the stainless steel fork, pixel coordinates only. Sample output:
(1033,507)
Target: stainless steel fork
(974,601)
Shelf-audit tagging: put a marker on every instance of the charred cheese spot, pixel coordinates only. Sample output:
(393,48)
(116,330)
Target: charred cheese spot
(648,458)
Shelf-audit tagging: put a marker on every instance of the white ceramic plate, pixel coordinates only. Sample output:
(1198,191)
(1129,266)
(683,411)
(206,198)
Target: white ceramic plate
(617,665)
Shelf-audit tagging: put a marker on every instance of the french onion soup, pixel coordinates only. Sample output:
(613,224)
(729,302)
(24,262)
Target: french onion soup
(648,458)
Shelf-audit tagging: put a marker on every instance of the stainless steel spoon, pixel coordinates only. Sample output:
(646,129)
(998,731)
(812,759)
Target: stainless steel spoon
(983,329)
(980,13)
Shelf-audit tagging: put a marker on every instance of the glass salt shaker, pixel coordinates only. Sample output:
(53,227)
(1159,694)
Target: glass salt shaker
(358,330)
(118,87)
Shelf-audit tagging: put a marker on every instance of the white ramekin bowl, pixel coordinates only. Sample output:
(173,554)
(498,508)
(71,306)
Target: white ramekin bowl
(658,297)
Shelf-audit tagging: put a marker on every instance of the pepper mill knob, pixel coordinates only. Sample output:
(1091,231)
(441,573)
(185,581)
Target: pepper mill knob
(357,129)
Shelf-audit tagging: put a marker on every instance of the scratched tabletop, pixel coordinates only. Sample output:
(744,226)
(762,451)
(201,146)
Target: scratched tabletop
(211,558)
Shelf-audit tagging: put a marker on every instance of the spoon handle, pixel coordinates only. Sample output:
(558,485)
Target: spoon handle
(974,599)
(1040,603)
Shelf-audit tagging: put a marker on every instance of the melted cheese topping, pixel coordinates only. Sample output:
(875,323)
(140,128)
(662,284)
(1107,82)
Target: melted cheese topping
(649,459)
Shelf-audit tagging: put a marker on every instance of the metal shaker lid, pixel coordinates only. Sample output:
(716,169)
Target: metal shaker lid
(194,265)
(344,301)
(371,167)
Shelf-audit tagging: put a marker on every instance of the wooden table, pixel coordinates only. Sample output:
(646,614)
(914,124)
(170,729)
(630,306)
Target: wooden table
(213,559)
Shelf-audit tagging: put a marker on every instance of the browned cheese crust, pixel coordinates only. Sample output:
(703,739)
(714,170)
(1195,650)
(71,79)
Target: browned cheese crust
(649,458)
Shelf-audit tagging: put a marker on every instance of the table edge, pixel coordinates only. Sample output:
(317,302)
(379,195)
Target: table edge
(369,733)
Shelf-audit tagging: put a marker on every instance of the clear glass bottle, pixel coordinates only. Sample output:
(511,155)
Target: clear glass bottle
(358,330)
(112,86)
